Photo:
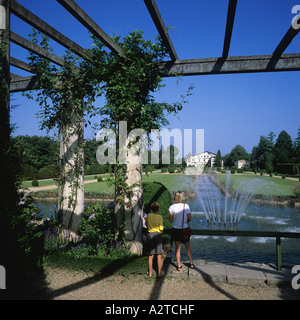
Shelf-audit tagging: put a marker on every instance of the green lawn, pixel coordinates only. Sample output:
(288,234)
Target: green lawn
(49,182)
(270,186)
(174,182)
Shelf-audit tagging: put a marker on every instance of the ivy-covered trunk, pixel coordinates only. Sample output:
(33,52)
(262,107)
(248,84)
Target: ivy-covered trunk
(71,182)
(134,205)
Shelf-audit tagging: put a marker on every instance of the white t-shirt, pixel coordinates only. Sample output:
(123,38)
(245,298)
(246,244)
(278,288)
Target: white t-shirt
(177,210)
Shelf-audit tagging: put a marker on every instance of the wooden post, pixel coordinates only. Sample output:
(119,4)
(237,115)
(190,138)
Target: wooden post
(5,70)
(6,175)
(278,253)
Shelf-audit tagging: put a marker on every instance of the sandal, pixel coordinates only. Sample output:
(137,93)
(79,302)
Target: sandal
(192,266)
(179,268)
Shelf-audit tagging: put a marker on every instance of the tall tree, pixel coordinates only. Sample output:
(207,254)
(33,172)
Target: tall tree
(237,153)
(218,159)
(283,148)
(296,148)
(65,98)
(264,155)
(129,83)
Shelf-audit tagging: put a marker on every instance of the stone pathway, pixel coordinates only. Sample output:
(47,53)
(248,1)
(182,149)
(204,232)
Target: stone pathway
(249,274)
(208,281)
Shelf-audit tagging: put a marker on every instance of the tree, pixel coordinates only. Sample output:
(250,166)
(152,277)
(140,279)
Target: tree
(283,148)
(128,83)
(237,153)
(36,151)
(66,101)
(218,159)
(296,148)
(263,154)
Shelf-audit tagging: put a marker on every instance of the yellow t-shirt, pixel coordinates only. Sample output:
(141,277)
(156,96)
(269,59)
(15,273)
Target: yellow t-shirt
(154,223)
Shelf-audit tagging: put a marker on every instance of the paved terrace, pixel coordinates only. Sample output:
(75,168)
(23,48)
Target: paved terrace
(249,274)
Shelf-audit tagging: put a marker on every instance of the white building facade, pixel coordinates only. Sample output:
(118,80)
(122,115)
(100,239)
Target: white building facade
(201,159)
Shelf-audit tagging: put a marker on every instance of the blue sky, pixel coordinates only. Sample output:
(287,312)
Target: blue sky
(232,109)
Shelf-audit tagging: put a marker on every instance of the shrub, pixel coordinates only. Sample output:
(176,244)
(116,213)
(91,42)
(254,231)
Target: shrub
(164,170)
(34,183)
(95,169)
(156,191)
(99,179)
(28,172)
(283,176)
(269,168)
(48,172)
(99,228)
(148,168)
(232,171)
(171,169)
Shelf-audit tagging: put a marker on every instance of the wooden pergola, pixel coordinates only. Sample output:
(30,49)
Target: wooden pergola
(225,64)
(276,61)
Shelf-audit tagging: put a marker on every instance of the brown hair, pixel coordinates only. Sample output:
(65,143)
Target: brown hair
(155,206)
(179,196)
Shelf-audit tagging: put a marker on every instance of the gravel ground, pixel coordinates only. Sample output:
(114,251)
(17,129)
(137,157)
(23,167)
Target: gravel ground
(66,285)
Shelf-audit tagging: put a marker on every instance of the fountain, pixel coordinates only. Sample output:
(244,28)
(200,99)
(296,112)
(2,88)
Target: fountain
(227,208)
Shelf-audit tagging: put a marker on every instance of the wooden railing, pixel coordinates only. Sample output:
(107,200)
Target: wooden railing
(243,233)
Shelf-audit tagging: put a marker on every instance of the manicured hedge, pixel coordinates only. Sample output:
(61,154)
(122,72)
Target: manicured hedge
(156,191)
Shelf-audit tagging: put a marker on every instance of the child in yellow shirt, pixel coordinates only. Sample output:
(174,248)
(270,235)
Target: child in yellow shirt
(155,226)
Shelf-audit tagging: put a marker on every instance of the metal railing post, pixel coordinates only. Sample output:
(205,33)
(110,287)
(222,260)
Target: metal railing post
(278,253)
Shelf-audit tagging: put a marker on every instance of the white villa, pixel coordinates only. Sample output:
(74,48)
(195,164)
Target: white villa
(201,159)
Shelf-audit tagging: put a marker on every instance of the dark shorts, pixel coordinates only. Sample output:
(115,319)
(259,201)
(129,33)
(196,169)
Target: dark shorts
(176,236)
(155,243)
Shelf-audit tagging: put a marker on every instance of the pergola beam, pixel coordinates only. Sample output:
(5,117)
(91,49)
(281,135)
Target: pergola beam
(243,64)
(20,64)
(229,26)
(26,44)
(285,42)
(161,28)
(91,25)
(210,66)
(19,84)
(45,28)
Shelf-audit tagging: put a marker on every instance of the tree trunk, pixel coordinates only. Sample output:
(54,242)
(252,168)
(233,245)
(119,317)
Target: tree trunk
(71,185)
(134,201)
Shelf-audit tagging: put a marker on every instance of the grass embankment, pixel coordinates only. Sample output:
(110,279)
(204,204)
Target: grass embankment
(270,186)
(172,182)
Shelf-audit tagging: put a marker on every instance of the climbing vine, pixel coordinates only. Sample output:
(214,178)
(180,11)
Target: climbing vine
(129,82)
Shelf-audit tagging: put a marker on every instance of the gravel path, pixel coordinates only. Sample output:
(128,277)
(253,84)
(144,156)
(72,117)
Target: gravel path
(67,285)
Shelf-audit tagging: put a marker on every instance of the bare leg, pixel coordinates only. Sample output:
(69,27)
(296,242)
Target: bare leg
(177,252)
(189,251)
(159,264)
(150,260)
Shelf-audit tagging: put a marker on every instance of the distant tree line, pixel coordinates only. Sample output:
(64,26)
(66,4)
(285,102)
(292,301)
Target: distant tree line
(39,156)
(281,155)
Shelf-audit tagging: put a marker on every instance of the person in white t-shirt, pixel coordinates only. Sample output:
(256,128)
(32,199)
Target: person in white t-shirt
(180,216)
